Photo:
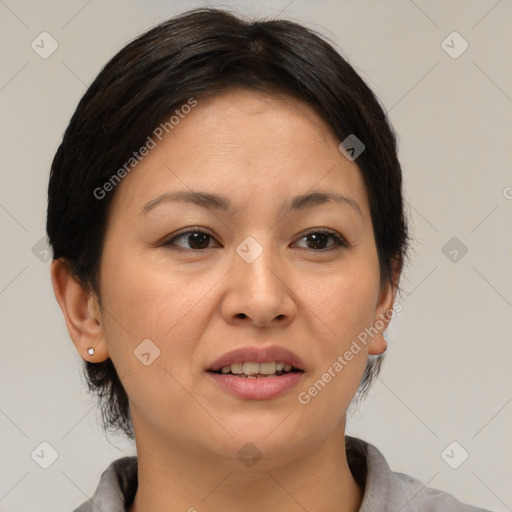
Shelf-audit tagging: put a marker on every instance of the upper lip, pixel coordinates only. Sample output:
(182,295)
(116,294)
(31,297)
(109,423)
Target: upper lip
(257,355)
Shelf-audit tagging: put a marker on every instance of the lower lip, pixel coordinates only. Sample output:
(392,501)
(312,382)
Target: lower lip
(263,388)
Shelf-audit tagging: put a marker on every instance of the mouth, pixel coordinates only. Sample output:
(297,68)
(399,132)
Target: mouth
(253,373)
(255,370)
(257,361)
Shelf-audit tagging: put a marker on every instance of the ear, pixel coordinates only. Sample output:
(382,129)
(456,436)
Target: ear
(81,311)
(384,311)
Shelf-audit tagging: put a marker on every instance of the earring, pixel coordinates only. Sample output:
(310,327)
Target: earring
(90,351)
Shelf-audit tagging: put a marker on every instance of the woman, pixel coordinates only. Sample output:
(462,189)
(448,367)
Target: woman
(227,222)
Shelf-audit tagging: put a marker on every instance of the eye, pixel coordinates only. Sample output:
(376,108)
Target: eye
(192,238)
(318,239)
(196,240)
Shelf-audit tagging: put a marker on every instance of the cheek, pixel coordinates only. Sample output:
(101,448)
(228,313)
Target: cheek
(345,305)
(169,309)
(154,300)
(168,306)
(342,309)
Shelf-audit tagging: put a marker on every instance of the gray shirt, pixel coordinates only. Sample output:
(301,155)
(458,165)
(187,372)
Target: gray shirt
(384,490)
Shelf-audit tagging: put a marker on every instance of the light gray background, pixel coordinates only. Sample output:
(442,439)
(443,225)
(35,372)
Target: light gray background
(447,376)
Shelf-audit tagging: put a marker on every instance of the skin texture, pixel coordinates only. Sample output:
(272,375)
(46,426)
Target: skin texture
(196,305)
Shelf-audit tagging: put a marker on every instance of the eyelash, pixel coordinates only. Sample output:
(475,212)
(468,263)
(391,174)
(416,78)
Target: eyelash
(339,241)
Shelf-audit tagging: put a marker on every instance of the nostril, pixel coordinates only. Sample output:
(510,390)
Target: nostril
(241,315)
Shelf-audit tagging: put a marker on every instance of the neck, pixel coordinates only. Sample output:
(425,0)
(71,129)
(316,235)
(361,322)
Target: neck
(176,477)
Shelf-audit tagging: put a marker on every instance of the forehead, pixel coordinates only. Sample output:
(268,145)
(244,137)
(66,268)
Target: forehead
(272,119)
(244,144)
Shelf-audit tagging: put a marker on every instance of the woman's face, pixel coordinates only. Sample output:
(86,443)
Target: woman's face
(257,275)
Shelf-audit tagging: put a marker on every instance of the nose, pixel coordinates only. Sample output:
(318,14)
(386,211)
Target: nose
(258,293)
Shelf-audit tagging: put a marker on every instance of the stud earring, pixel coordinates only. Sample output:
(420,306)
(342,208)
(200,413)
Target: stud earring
(90,351)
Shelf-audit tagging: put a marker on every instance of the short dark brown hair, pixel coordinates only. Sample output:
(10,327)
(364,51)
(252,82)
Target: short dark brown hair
(200,53)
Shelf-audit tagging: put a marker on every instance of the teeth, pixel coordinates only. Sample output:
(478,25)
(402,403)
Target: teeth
(251,368)
(267,368)
(254,370)
(236,368)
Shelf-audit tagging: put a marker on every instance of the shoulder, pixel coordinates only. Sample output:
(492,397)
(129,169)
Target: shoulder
(413,496)
(116,488)
(388,491)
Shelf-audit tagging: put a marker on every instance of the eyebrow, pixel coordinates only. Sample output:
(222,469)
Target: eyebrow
(223,203)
